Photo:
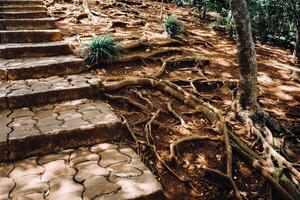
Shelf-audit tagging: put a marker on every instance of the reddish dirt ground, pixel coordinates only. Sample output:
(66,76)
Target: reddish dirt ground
(279,93)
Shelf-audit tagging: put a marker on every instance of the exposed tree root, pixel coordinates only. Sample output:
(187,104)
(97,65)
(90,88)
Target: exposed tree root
(211,112)
(170,109)
(138,57)
(140,95)
(132,134)
(151,143)
(228,179)
(216,118)
(174,145)
(177,62)
(127,100)
(151,44)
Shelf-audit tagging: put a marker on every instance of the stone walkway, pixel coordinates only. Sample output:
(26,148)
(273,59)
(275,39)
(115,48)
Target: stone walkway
(100,172)
(47,104)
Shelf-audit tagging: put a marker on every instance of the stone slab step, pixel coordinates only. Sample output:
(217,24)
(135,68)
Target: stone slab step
(48,128)
(40,67)
(15,8)
(30,36)
(27,24)
(105,171)
(17,50)
(21,3)
(33,92)
(23,15)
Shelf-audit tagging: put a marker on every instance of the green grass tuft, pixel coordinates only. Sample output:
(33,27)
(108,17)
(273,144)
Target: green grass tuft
(101,48)
(173,26)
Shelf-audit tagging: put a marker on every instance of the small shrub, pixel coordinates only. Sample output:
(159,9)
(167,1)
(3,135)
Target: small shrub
(173,26)
(101,48)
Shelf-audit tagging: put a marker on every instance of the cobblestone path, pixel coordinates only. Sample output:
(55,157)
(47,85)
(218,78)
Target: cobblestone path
(48,104)
(101,172)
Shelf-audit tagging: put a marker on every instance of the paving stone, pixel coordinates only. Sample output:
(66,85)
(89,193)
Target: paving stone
(57,168)
(118,181)
(15,8)
(53,89)
(121,170)
(27,50)
(83,155)
(98,185)
(24,14)
(47,128)
(5,169)
(102,147)
(112,156)
(5,119)
(30,196)
(26,167)
(6,185)
(24,186)
(40,67)
(64,187)
(30,36)
(53,157)
(89,169)
(21,2)
(139,187)
(28,24)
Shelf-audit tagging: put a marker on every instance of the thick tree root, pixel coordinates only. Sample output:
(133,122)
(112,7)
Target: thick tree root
(176,63)
(137,57)
(151,44)
(127,100)
(210,112)
(215,117)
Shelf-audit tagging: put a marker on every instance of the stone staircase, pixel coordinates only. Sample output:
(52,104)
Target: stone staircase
(46,100)
(49,111)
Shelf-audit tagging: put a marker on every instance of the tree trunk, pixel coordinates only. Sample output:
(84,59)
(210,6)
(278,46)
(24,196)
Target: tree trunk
(297,46)
(246,55)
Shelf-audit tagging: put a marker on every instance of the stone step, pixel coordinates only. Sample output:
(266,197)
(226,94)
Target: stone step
(21,3)
(27,24)
(15,8)
(24,50)
(40,67)
(104,171)
(33,92)
(44,129)
(30,36)
(24,15)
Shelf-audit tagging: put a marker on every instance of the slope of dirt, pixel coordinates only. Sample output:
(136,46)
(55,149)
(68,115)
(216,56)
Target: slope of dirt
(138,27)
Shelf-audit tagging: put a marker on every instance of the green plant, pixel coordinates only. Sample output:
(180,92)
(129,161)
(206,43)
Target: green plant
(173,26)
(101,48)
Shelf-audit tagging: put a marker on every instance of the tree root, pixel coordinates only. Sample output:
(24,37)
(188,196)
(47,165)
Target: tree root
(170,109)
(140,95)
(144,56)
(174,145)
(211,112)
(215,117)
(150,44)
(127,100)
(178,61)
(228,179)
(132,134)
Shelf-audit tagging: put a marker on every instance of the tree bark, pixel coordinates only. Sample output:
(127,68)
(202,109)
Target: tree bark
(246,55)
(297,46)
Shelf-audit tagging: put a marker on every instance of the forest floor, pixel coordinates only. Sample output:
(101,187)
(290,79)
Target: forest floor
(138,27)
